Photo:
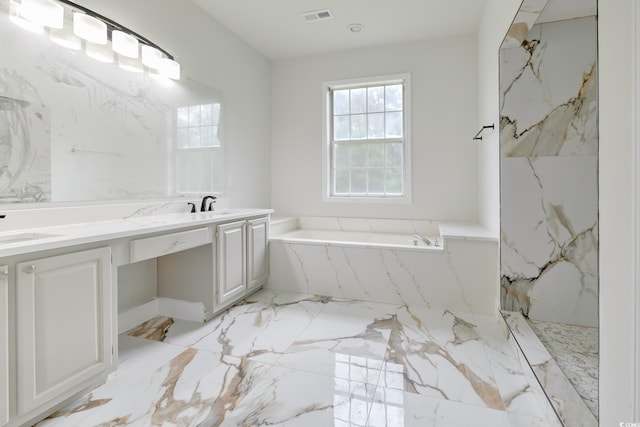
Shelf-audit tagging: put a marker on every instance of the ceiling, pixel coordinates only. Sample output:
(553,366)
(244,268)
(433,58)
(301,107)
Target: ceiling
(277,29)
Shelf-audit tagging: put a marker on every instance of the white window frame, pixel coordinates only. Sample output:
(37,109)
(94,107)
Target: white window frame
(213,149)
(406,197)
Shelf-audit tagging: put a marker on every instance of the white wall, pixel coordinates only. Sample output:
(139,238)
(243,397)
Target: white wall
(211,54)
(619,328)
(444,116)
(496,20)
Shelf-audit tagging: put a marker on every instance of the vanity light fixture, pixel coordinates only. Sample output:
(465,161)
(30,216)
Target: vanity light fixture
(124,44)
(100,36)
(46,13)
(169,68)
(64,36)
(89,28)
(64,39)
(99,52)
(16,16)
(151,56)
(130,64)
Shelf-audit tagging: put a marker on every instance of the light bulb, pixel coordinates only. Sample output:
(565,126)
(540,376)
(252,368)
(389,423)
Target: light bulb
(15,15)
(151,57)
(43,12)
(99,52)
(124,44)
(130,64)
(170,68)
(89,28)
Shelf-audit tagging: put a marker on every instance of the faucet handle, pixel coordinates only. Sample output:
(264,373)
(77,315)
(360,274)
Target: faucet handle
(193,207)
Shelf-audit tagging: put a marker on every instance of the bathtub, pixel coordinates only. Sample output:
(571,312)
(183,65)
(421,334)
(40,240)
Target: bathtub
(385,261)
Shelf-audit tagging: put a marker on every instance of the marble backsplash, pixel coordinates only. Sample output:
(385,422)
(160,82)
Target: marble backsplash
(549,174)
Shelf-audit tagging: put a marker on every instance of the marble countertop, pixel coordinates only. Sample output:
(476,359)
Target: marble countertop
(55,237)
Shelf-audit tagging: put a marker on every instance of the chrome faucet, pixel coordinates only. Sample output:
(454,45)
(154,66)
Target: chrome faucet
(425,239)
(203,206)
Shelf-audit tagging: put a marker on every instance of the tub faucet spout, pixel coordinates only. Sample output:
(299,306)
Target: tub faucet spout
(425,239)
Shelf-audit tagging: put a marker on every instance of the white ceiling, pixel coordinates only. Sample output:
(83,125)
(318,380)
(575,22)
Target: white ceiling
(277,29)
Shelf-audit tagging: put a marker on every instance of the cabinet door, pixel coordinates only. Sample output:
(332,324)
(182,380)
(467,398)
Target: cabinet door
(4,344)
(63,312)
(231,260)
(257,252)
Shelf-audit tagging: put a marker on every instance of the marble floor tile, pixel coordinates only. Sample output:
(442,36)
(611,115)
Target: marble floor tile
(520,420)
(396,408)
(348,339)
(515,389)
(441,355)
(260,330)
(146,391)
(277,396)
(328,362)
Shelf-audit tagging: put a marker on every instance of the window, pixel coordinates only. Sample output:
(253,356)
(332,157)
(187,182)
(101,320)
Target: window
(367,139)
(199,154)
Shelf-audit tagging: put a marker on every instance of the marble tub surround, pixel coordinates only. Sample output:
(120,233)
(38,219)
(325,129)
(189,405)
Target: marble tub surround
(449,277)
(569,405)
(291,359)
(549,174)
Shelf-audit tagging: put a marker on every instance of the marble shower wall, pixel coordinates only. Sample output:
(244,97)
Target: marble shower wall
(76,129)
(549,170)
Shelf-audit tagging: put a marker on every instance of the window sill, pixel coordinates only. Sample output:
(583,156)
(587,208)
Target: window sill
(405,200)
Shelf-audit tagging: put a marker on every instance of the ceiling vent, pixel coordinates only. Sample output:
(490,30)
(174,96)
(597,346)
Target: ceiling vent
(317,15)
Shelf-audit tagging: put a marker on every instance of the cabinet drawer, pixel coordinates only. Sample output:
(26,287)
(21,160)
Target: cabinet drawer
(152,247)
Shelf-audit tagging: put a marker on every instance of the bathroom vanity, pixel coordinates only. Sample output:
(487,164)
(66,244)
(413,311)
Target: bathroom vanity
(59,294)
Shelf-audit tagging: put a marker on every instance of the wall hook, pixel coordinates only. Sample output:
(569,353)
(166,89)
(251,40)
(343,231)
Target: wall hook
(478,137)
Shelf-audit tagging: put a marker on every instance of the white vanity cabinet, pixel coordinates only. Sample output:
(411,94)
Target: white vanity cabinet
(4,344)
(242,252)
(63,335)
(232,253)
(221,273)
(257,252)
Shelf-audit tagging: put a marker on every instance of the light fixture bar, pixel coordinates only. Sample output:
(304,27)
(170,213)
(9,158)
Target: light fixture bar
(114,25)
(102,36)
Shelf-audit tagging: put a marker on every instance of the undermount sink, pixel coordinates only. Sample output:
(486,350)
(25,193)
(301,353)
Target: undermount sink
(23,237)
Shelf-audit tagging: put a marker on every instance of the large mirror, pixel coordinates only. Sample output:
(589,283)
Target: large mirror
(76,129)
(549,198)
